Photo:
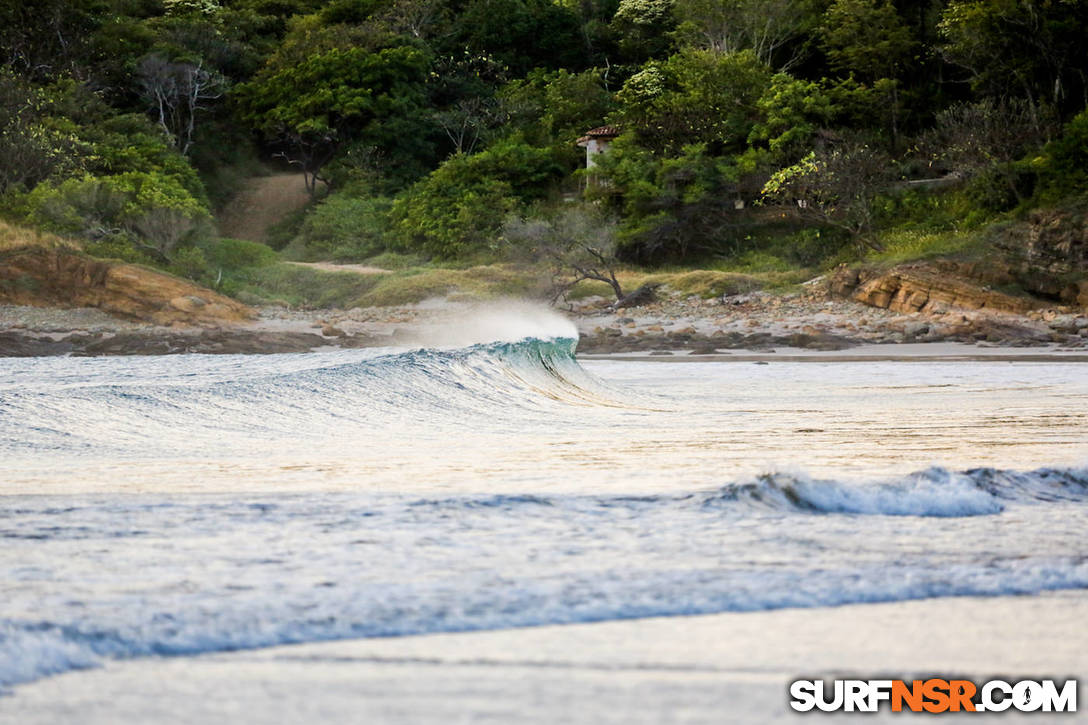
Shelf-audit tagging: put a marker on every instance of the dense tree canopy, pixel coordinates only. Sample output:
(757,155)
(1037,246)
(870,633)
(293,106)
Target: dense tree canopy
(434,121)
(330,99)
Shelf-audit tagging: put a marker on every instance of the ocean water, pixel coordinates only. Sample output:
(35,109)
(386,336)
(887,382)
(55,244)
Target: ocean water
(174,506)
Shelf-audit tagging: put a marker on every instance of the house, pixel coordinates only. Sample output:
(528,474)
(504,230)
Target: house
(596,141)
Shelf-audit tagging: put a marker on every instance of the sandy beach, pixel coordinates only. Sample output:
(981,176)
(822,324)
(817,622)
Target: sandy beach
(725,668)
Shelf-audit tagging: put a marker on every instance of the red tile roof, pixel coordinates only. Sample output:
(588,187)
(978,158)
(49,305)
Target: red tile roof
(603,132)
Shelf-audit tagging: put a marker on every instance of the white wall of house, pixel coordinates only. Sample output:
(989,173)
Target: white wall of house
(593,148)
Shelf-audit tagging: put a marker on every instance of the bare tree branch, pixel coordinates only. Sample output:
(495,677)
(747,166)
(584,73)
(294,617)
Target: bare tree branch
(577,244)
(176,93)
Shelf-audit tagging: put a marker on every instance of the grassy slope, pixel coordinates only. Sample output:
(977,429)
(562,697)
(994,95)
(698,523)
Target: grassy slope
(13,238)
(254,273)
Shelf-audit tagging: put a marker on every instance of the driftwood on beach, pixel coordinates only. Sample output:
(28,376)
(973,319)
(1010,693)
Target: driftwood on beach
(644,295)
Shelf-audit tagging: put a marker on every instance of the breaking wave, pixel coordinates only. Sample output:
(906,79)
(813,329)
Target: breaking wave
(227,405)
(343,601)
(932,492)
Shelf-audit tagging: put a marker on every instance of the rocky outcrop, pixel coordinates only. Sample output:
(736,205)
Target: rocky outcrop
(925,287)
(46,277)
(643,295)
(608,341)
(1048,254)
(908,291)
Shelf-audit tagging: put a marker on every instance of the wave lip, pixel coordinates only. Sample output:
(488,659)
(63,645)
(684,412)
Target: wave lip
(540,367)
(934,492)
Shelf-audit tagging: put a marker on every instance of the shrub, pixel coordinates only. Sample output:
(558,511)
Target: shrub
(189,262)
(449,221)
(119,246)
(153,210)
(999,189)
(1065,164)
(131,143)
(235,254)
(458,210)
(347,228)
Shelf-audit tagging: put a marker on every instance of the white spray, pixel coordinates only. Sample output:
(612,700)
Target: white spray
(457,324)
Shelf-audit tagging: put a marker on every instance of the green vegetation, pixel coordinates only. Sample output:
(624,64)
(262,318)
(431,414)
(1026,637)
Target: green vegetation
(288,284)
(344,227)
(758,142)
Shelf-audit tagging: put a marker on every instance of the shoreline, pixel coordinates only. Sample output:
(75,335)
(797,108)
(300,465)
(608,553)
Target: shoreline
(727,667)
(763,358)
(761,326)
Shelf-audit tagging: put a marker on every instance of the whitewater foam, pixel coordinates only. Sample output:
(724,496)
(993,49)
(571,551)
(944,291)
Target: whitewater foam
(288,568)
(933,492)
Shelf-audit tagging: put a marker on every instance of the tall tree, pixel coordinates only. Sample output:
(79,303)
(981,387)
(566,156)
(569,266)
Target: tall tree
(176,92)
(868,40)
(765,27)
(46,37)
(696,96)
(33,145)
(314,108)
(1031,48)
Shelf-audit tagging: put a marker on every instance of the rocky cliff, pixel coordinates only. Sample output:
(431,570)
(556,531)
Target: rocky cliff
(930,287)
(1044,256)
(1048,254)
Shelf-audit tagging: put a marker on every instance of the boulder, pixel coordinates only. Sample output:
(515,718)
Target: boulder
(645,294)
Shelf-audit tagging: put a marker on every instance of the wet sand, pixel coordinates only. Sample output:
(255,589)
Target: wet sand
(903,352)
(726,668)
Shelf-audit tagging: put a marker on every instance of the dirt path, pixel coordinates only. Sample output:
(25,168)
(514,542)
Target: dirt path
(263,201)
(332,267)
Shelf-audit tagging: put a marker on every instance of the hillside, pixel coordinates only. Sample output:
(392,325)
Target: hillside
(443,148)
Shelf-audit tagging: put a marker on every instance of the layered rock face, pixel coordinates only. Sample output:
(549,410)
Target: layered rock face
(1046,256)
(60,277)
(931,288)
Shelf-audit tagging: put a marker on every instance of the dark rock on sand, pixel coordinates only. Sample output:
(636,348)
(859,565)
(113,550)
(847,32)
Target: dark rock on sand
(160,342)
(19,344)
(700,344)
(819,341)
(641,296)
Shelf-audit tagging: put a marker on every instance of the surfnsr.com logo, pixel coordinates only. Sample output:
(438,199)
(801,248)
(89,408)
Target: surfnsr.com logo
(933,695)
